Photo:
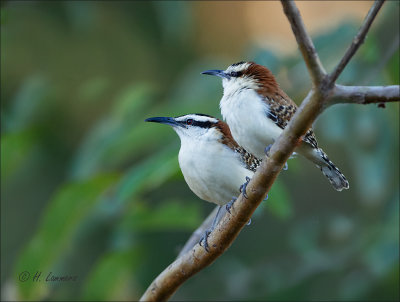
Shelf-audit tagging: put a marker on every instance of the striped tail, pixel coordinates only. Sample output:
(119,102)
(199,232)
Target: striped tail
(328,168)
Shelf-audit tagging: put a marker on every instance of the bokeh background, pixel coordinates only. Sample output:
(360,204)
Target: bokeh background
(90,190)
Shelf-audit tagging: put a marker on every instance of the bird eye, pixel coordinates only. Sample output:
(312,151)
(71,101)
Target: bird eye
(189,122)
(235,74)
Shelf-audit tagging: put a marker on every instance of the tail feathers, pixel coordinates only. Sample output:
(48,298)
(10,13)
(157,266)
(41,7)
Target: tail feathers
(335,177)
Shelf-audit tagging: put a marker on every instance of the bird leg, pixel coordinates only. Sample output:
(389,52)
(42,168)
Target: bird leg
(267,149)
(243,187)
(208,231)
(229,205)
(205,239)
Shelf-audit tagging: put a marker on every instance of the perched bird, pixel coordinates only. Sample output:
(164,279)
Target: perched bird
(257,110)
(213,164)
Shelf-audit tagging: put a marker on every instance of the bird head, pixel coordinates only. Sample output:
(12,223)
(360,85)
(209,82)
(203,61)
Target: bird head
(245,75)
(197,127)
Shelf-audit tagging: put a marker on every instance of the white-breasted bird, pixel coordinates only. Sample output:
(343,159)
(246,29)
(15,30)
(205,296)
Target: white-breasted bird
(213,164)
(257,110)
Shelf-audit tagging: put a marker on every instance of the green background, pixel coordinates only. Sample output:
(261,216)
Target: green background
(90,190)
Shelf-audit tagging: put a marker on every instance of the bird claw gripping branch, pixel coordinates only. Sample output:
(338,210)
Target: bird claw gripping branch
(205,240)
(243,187)
(229,205)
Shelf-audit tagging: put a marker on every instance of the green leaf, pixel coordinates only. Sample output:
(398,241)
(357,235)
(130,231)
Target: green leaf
(148,174)
(170,215)
(29,103)
(392,68)
(3,16)
(112,278)
(118,131)
(15,149)
(370,52)
(93,88)
(64,214)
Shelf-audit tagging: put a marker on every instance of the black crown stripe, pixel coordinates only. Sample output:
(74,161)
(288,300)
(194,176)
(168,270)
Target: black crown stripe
(238,63)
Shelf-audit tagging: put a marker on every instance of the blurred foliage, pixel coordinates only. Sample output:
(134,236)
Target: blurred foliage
(90,190)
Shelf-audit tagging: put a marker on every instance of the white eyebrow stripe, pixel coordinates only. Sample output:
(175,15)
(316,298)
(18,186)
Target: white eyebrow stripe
(237,68)
(200,118)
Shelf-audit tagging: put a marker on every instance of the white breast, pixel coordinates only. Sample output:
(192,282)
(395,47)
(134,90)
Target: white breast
(212,170)
(246,115)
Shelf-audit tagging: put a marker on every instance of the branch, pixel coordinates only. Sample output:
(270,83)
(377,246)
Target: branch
(314,66)
(365,94)
(357,41)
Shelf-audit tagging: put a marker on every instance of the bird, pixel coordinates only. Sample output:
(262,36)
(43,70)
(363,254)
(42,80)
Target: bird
(213,164)
(257,110)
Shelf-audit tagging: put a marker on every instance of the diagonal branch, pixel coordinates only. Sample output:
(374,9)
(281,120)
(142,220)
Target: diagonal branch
(310,55)
(357,41)
(365,94)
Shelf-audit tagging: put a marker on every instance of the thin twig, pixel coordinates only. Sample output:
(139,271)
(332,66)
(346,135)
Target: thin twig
(314,66)
(357,41)
(365,94)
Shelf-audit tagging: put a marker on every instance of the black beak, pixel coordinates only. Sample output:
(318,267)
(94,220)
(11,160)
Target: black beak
(218,73)
(163,120)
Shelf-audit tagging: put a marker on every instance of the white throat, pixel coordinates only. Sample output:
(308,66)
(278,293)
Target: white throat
(246,114)
(211,169)
(235,86)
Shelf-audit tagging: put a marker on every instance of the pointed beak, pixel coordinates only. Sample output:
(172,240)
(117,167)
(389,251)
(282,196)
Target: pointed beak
(163,120)
(218,73)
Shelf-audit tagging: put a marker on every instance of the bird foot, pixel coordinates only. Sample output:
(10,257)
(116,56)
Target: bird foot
(229,205)
(285,167)
(243,187)
(205,240)
(267,149)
